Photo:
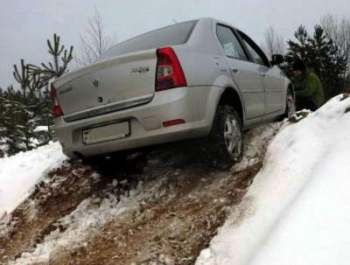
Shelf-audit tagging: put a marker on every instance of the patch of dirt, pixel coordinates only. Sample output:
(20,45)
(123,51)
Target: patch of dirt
(171,229)
(345,96)
(298,116)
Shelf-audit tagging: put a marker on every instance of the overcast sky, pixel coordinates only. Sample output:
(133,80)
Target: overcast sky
(26,24)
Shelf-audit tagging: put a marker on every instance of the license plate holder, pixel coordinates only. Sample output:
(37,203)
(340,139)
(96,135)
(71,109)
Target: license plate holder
(108,132)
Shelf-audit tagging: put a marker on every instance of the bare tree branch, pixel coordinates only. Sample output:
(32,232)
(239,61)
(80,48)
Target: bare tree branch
(95,41)
(338,29)
(274,42)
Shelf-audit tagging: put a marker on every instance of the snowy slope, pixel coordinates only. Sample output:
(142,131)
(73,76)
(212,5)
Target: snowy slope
(19,173)
(298,209)
(131,205)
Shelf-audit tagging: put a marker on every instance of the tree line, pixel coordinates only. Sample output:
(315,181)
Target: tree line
(26,119)
(326,51)
(25,113)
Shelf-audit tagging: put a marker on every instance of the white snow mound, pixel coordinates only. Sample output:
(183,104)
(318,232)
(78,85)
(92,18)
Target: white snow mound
(297,211)
(20,173)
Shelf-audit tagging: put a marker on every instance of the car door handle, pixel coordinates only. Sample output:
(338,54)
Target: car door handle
(234,70)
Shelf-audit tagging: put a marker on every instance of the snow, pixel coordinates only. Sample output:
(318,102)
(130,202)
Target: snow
(298,208)
(20,173)
(90,216)
(41,129)
(94,212)
(296,211)
(255,142)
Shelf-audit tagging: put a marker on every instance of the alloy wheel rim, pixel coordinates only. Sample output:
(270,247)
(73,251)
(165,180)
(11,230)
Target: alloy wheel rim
(290,105)
(232,136)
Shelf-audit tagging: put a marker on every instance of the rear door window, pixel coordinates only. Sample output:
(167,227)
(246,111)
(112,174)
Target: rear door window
(256,53)
(230,43)
(255,56)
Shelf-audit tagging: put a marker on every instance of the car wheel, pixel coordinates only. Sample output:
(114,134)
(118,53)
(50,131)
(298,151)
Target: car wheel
(290,104)
(226,136)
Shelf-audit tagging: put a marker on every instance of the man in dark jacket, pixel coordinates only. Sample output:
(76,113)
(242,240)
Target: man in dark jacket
(308,87)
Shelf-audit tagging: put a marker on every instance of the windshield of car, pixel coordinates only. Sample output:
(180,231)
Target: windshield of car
(168,36)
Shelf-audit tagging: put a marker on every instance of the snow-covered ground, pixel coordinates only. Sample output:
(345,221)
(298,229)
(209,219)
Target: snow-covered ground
(90,217)
(19,173)
(297,211)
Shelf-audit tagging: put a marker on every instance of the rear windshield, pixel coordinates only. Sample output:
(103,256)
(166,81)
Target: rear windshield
(168,36)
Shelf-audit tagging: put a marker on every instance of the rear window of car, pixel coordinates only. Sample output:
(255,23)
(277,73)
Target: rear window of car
(168,36)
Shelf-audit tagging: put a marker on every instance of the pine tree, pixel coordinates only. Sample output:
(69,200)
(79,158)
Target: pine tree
(12,121)
(301,48)
(47,72)
(61,57)
(24,106)
(23,110)
(2,127)
(321,54)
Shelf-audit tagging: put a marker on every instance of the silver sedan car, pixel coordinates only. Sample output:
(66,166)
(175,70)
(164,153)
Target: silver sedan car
(196,79)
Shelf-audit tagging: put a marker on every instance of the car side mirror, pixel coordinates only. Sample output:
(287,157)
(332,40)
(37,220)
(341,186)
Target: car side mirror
(277,59)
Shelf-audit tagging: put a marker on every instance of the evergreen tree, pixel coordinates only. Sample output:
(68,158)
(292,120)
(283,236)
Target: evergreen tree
(61,57)
(321,54)
(12,121)
(24,107)
(47,72)
(2,127)
(24,110)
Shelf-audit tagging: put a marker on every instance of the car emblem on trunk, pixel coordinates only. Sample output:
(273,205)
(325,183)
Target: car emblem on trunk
(96,82)
(141,69)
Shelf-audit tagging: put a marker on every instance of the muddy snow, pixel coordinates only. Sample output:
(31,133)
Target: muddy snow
(162,207)
(287,200)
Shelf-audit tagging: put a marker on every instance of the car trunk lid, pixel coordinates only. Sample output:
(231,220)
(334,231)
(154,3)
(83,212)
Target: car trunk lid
(109,85)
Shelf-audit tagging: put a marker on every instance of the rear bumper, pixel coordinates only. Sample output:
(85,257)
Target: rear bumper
(195,105)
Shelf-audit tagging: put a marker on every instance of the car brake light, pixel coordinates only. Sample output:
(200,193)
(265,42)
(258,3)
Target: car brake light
(56,109)
(169,70)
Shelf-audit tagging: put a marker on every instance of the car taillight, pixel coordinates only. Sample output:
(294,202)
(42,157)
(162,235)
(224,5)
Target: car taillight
(173,122)
(169,70)
(56,109)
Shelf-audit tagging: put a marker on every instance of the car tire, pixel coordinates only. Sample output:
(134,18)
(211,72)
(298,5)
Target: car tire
(290,104)
(225,143)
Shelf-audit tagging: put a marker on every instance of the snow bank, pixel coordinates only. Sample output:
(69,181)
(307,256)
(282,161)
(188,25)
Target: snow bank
(19,173)
(297,211)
